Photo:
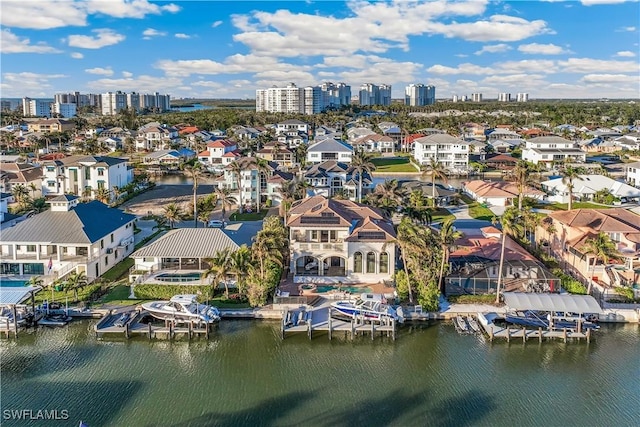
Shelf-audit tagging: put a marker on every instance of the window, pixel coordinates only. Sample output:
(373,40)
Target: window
(87,173)
(51,183)
(100,184)
(384,262)
(51,169)
(111,237)
(106,260)
(102,244)
(314,235)
(100,172)
(31,248)
(357,262)
(371,262)
(148,259)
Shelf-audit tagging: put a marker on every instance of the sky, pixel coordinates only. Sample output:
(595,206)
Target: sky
(228,49)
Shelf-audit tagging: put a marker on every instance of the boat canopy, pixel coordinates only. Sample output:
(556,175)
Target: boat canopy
(15,295)
(551,302)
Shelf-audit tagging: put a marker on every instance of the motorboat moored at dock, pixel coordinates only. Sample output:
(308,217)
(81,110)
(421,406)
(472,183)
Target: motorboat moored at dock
(182,308)
(369,306)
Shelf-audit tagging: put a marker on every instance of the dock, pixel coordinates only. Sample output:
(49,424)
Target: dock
(523,334)
(138,323)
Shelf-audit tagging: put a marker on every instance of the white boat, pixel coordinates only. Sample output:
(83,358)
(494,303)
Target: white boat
(473,324)
(369,306)
(182,308)
(461,324)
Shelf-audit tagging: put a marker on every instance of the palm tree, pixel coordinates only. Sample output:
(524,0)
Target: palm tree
(388,195)
(38,205)
(225,198)
(601,247)
(240,265)
(20,193)
(33,189)
(361,164)
(521,176)
(195,173)
(569,174)
(262,168)
(76,281)
(173,213)
(102,194)
(220,269)
(236,168)
(508,222)
(447,236)
(437,171)
(551,229)
(203,216)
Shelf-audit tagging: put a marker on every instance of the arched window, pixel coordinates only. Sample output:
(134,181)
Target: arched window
(384,262)
(371,262)
(357,262)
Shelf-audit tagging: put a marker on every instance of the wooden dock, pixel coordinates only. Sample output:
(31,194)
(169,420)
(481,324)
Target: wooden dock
(521,333)
(135,326)
(321,319)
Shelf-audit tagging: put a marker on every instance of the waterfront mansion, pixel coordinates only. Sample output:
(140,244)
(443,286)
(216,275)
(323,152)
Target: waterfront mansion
(335,241)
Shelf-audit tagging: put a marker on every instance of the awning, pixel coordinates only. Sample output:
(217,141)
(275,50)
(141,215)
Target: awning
(15,295)
(551,302)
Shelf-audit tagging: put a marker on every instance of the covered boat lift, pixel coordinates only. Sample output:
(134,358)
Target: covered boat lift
(10,299)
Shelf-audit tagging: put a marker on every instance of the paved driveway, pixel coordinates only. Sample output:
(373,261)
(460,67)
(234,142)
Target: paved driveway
(243,232)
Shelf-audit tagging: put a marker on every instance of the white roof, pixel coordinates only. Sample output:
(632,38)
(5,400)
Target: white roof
(591,184)
(551,302)
(15,295)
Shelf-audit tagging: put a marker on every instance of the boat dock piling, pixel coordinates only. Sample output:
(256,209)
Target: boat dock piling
(134,325)
(510,332)
(322,319)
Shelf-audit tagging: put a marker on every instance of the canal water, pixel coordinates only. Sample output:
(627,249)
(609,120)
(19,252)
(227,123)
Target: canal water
(247,375)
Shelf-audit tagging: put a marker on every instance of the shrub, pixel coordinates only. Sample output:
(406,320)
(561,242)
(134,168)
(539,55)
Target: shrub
(165,292)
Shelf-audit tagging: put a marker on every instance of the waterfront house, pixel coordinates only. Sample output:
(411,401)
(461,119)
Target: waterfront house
(25,174)
(334,240)
(278,153)
(218,154)
(162,157)
(451,152)
(329,149)
(501,161)
(294,125)
(633,173)
(89,237)
(548,150)
(51,125)
(250,179)
(76,174)
(156,136)
(375,143)
(178,250)
(587,186)
(331,178)
(575,227)
(498,193)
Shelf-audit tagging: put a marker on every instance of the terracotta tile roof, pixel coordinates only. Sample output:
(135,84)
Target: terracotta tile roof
(497,189)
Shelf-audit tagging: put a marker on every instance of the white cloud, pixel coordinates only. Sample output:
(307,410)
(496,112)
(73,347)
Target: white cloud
(63,13)
(589,65)
(610,78)
(626,29)
(127,74)
(104,37)
(100,71)
(141,84)
(595,2)
(233,64)
(216,24)
(11,43)
(208,84)
(497,28)
(77,55)
(149,33)
(495,48)
(18,84)
(626,54)
(507,67)
(541,49)
(182,36)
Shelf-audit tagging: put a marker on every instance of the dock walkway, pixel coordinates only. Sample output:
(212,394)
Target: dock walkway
(521,333)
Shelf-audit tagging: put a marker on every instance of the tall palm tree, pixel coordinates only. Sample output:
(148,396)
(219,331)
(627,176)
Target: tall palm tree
(551,229)
(76,281)
(220,269)
(262,169)
(203,216)
(225,198)
(236,168)
(361,164)
(446,237)
(20,193)
(240,266)
(388,195)
(521,177)
(436,170)
(508,222)
(601,247)
(33,188)
(194,172)
(173,213)
(102,194)
(569,174)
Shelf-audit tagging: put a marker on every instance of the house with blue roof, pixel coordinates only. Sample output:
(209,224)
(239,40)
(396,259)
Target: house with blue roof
(84,237)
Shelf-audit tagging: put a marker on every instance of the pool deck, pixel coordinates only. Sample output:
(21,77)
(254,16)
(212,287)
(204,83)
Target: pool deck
(287,285)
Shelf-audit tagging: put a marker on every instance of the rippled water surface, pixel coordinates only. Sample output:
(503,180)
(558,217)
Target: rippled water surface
(246,375)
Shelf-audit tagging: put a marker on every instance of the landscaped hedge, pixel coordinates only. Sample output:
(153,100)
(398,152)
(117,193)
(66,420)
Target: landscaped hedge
(165,292)
(569,284)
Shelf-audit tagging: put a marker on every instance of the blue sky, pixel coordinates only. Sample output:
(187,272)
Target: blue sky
(222,49)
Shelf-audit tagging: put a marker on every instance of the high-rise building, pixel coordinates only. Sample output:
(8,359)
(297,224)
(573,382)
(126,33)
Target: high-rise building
(417,95)
(133,101)
(371,94)
(522,97)
(313,100)
(36,108)
(154,102)
(66,110)
(308,100)
(504,97)
(476,97)
(385,94)
(112,103)
(335,95)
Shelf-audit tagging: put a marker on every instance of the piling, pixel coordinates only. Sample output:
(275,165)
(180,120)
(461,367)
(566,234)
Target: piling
(372,330)
(15,321)
(149,325)
(330,322)
(588,335)
(524,335)
(508,334)
(126,330)
(564,334)
(540,334)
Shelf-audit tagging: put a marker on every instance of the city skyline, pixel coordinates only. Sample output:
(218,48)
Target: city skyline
(219,49)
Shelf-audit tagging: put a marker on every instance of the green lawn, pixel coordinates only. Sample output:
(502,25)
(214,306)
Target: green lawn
(441,214)
(393,164)
(119,295)
(575,205)
(476,210)
(253,216)
(119,271)
(63,296)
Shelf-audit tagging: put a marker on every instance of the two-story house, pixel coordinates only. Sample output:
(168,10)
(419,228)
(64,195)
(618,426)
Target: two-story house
(292,125)
(277,152)
(51,125)
(548,150)
(25,174)
(331,178)
(375,143)
(329,149)
(84,237)
(451,152)
(633,173)
(253,182)
(575,227)
(218,154)
(156,136)
(335,240)
(75,174)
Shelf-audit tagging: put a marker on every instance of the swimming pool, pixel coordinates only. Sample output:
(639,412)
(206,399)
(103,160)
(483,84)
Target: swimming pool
(4,283)
(177,277)
(322,289)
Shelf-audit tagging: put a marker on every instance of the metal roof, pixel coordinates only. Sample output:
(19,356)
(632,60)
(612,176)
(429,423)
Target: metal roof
(551,302)
(15,295)
(188,243)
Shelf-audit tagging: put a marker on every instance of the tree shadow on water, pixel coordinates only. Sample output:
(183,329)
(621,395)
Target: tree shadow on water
(465,410)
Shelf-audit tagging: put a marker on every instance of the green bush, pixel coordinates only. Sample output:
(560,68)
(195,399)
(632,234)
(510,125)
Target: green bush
(268,203)
(165,292)
(569,284)
(472,299)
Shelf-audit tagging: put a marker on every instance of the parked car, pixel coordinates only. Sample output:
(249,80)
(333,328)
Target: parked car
(216,223)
